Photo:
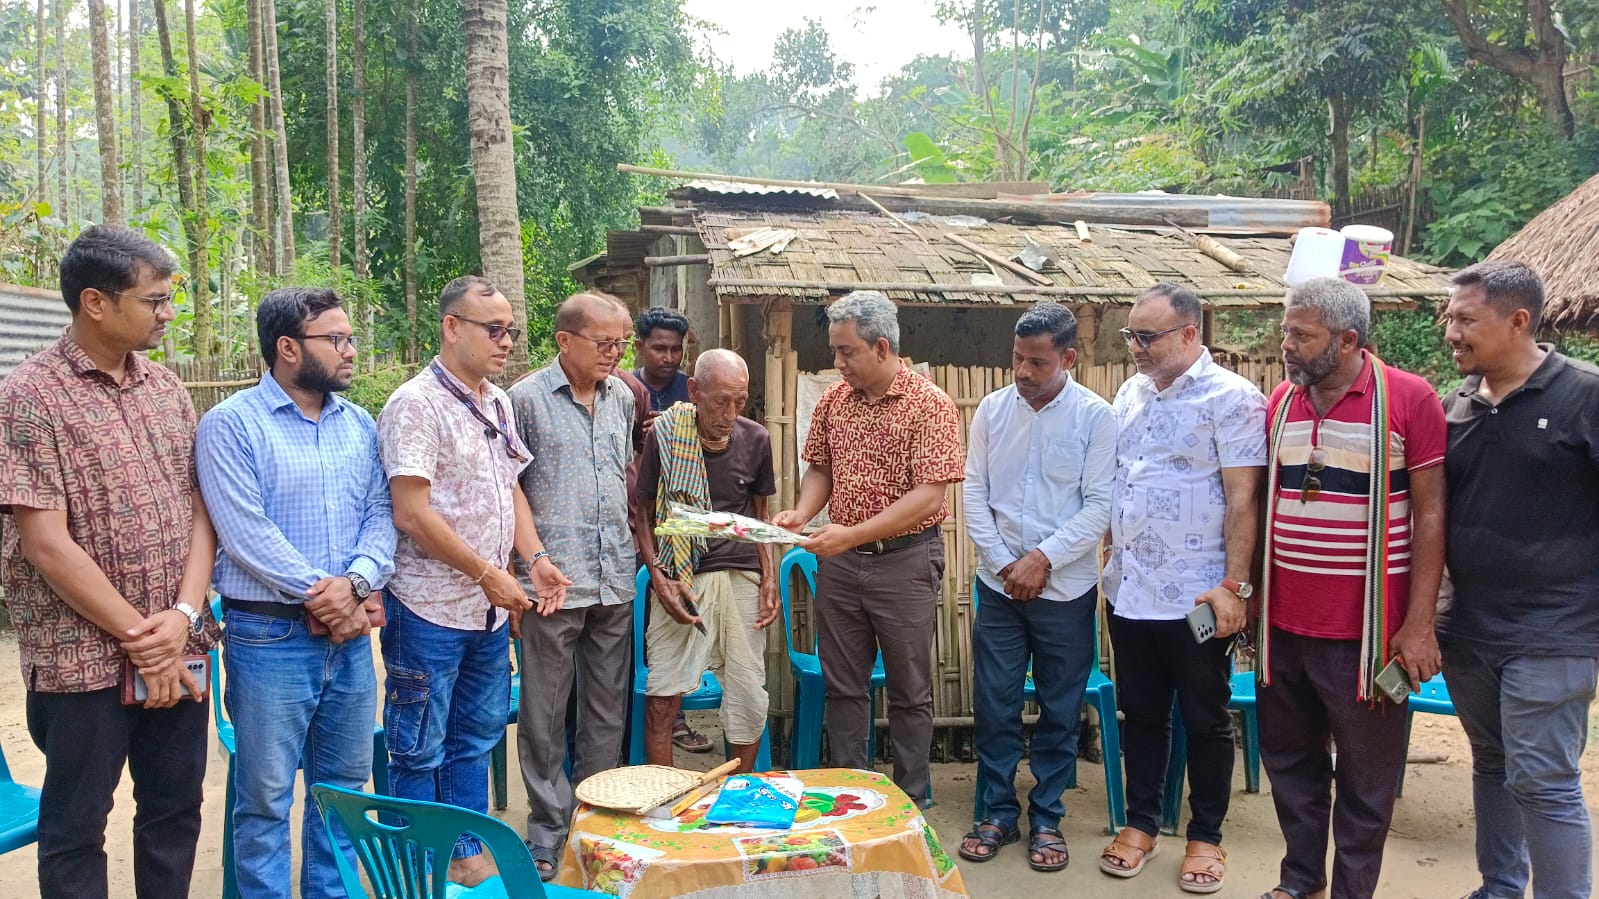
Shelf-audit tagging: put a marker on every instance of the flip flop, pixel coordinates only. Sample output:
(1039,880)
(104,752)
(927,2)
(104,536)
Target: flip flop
(685,738)
(990,837)
(1128,841)
(1292,893)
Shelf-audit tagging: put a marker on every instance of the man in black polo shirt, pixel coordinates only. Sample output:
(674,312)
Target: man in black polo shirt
(1521,641)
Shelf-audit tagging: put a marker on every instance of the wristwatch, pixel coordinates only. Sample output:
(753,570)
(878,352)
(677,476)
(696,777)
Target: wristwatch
(196,623)
(1241,589)
(358,585)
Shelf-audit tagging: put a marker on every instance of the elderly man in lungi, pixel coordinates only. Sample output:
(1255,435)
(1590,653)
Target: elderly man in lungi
(717,595)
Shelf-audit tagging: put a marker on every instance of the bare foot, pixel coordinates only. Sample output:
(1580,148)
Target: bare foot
(471,870)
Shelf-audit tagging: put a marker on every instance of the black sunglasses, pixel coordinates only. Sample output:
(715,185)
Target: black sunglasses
(1314,464)
(1145,338)
(495,331)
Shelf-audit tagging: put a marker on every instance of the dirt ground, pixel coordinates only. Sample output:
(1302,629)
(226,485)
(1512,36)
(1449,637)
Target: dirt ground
(1429,852)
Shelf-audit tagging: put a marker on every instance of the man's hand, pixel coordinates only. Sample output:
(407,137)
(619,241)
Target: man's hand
(789,520)
(828,540)
(1231,614)
(502,589)
(1025,577)
(550,585)
(771,602)
(516,624)
(1417,648)
(648,427)
(333,602)
(157,640)
(672,596)
(164,684)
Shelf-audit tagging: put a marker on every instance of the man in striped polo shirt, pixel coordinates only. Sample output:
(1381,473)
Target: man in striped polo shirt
(1351,581)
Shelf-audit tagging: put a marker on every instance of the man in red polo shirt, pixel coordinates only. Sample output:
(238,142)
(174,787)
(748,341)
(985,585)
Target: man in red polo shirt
(884,445)
(1353,565)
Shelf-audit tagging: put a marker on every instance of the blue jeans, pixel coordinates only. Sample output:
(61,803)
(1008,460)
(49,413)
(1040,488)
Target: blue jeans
(292,698)
(1058,638)
(446,700)
(1527,719)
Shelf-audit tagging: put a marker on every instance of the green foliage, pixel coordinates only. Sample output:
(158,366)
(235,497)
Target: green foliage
(371,389)
(1411,339)
(928,160)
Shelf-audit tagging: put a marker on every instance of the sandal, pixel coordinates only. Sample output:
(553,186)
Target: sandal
(1118,859)
(1046,839)
(990,837)
(1202,860)
(544,861)
(1290,892)
(685,738)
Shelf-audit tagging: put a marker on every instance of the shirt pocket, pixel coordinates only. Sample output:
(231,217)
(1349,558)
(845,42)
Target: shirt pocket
(1063,460)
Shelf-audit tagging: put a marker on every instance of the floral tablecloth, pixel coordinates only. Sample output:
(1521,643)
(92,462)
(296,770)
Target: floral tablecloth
(855,834)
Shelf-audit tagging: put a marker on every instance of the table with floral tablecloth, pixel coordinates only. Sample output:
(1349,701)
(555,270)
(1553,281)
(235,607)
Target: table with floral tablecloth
(855,834)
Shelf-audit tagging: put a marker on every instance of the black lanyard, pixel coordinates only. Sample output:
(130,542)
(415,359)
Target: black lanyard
(490,429)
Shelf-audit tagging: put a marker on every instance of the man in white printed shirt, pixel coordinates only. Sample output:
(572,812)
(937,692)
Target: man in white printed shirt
(1039,468)
(1190,460)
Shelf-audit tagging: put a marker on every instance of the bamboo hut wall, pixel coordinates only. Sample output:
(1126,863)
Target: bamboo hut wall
(952,676)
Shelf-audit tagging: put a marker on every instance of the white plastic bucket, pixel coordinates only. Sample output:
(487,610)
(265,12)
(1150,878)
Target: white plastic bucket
(1365,256)
(1318,253)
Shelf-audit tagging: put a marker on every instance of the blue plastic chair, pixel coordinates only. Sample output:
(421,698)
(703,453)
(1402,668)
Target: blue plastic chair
(1101,693)
(1433,700)
(810,692)
(229,742)
(708,696)
(19,811)
(408,860)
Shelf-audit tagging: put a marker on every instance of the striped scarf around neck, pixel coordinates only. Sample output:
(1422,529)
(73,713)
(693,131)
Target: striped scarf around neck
(1374,611)
(682,481)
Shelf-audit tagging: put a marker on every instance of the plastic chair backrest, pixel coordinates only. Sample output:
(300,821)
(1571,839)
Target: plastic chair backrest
(410,860)
(219,711)
(641,592)
(805,561)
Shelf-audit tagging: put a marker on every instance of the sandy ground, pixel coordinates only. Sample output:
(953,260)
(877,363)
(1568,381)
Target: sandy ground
(1429,852)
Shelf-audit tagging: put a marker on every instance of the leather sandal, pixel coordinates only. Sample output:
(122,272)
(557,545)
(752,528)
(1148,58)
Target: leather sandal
(1290,892)
(1046,839)
(990,837)
(1200,858)
(1129,840)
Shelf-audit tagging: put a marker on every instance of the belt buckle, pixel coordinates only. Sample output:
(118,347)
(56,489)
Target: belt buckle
(875,548)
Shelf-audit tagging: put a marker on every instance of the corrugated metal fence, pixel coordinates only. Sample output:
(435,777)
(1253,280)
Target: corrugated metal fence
(30,319)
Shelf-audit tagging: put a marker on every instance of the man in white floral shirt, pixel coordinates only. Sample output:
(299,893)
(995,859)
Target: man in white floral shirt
(449,445)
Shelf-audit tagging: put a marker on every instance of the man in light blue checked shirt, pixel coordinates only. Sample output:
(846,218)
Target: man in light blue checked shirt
(1040,462)
(290,474)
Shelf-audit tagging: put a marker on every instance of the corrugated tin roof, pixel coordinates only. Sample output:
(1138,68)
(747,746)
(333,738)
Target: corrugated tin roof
(729,188)
(30,319)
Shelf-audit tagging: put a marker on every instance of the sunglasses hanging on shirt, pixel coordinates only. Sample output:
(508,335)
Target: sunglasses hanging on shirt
(490,429)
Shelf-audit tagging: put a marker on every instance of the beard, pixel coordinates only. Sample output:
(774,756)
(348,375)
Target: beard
(314,377)
(1313,371)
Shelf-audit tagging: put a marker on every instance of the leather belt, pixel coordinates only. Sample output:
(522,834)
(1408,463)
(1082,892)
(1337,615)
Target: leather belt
(881,547)
(287,611)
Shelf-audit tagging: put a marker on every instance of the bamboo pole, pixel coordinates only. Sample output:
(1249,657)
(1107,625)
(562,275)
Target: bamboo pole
(791,427)
(1057,291)
(1020,271)
(663,261)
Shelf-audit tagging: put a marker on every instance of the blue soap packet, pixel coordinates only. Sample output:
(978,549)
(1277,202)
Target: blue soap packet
(749,801)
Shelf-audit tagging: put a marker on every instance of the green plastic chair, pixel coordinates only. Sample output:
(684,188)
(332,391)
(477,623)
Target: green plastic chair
(408,860)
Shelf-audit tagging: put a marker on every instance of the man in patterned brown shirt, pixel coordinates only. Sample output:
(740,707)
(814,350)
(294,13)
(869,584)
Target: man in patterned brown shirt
(109,563)
(884,446)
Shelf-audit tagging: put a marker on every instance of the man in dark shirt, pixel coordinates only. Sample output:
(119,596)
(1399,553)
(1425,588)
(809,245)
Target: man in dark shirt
(661,333)
(1521,641)
(728,588)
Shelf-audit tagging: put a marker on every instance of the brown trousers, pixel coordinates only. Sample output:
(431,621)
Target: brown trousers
(885,602)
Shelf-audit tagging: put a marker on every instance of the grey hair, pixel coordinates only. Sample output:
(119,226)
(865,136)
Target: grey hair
(875,317)
(1343,306)
(719,360)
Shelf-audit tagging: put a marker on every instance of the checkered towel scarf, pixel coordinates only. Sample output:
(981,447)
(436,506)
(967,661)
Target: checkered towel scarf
(1374,614)
(682,481)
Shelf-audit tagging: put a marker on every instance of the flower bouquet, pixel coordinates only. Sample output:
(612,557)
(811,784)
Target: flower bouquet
(687,521)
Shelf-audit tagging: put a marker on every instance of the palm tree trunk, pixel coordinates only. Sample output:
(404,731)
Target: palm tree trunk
(412,352)
(39,121)
(63,166)
(488,110)
(283,234)
(262,259)
(200,292)
(358,177)
(105,120)
(332,10)
(135,122)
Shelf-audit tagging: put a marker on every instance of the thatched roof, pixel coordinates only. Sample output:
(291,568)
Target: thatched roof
(1562,245)
(838,251)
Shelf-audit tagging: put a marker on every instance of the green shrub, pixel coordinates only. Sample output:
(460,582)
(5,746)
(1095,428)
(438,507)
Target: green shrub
(371,389)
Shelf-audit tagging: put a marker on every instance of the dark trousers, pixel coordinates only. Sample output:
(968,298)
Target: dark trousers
(888,602)
(1058,638)
(86,738)
(1158,662)
(1311,699)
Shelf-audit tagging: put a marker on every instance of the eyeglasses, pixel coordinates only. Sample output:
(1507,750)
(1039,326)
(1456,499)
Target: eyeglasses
(1145,338)
(606,347)
(496,332)
(156,304)
(1314,464)
(339,341)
